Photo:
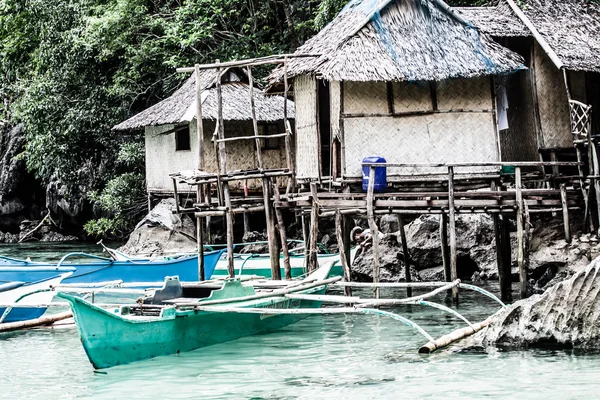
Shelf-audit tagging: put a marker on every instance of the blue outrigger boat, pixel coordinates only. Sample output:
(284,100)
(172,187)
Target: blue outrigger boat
(20,301)
(100,269)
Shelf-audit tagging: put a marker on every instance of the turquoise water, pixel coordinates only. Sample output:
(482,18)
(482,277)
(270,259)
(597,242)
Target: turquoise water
(322,357)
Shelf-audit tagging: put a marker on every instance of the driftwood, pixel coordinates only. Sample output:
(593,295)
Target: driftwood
(31,232)
(33,323)
(453,337)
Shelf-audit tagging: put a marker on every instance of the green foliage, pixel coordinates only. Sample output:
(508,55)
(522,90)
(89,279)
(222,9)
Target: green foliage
(72,69)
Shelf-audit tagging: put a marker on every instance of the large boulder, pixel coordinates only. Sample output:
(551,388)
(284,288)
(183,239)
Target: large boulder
(566,315)
(162,232)
(391,262)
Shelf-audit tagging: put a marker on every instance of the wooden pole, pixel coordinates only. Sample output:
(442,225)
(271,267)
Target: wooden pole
(595,167)
(373,227)
(200,238)
(254,120)
(445,248)
(199,124)
(453,337)
(225,185)
(271,235)
(314,229)
(32,323)
(282,234)
(520,232)
(288,137)
(339,229)
(452,228)
(306,239)
(406,255)
(500,255)
(563,200)
(506,257)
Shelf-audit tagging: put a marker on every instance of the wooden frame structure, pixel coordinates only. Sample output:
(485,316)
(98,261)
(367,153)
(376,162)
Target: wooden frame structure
(457,190)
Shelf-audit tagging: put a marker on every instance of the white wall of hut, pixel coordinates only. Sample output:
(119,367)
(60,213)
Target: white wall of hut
(162,158)
(461,129)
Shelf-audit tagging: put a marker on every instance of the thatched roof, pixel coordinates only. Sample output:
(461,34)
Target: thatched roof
(495,21)
(570,27)
(180,107)
(406,40)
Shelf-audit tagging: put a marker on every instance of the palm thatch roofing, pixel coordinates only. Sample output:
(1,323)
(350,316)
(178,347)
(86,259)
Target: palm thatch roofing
(180,106)
(570,27)
(400,40)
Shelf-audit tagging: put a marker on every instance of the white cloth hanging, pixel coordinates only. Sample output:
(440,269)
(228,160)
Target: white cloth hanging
(502,102)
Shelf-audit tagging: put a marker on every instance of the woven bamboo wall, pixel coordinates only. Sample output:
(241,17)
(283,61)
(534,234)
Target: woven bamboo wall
(433,138)
(365,98)
(520,141)
(162,159)
(552,101)
(335,107)
(412,97)
(465,94)
(307,137)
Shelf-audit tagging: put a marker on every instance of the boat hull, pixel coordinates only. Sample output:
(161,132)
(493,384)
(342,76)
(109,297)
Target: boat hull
(110,340)
(127,271)
(35,295)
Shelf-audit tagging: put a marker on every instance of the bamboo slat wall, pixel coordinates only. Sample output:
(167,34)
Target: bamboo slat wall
(307,136)
(553,102)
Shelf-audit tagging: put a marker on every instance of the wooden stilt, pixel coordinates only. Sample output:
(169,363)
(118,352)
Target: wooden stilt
(200,237)
(282,234)
(374,229)
(314,229)
(176,196)
(339,229)
(506,256)
(149,203)
(587,221)
(225,184)
(563,200)
(271,235)
(305,238)
(406,255)
(452,229)
(445,248)
(520,233)
(500,255)
(595,166)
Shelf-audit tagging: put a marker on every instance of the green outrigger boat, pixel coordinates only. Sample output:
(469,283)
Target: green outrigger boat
(169,326)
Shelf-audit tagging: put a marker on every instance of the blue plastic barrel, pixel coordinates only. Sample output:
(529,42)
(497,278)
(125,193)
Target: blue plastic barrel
(380,174)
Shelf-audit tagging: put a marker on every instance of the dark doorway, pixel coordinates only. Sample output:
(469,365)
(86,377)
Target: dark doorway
(324,126)
(593,99)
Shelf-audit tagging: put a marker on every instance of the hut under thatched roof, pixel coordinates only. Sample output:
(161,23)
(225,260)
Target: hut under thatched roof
(560,40)
(170,128)
(409,80)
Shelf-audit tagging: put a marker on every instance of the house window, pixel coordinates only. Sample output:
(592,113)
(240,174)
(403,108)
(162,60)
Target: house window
(269,143)
(182,138)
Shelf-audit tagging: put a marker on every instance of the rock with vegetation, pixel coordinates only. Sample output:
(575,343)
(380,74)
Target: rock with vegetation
(162,232)
(565,316)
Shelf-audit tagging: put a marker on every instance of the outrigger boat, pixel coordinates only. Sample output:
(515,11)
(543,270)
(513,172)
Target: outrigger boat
(148,272)
(170,323)
(20,301)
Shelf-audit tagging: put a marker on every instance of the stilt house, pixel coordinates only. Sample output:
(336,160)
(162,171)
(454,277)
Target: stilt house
(171,138)
(409,80)
(558,97)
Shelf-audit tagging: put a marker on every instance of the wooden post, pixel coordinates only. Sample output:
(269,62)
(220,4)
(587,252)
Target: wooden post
(149,202)
(306,239)
(199,125)
(587,220)
(565,211)
(282,234)
(176,195)
(271,235)
(500,262)
(520,232)
(225,184)
(254,120)
(339,229)
(445,248)
(314,229)
(595,167)
(200,238)
(373,228)
(288,137)
(506,257)
(452,228)
(406,255)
